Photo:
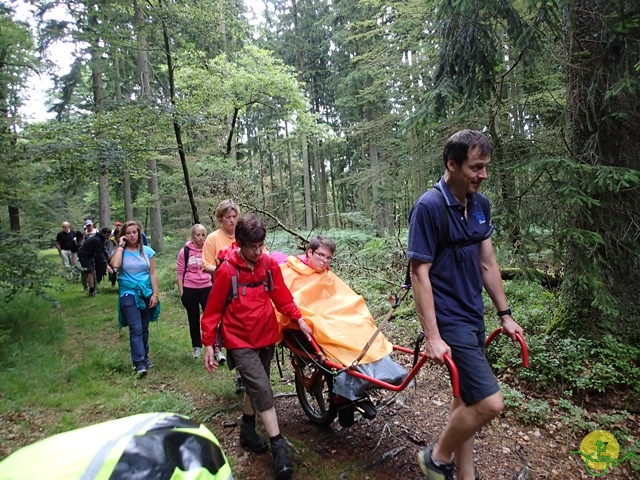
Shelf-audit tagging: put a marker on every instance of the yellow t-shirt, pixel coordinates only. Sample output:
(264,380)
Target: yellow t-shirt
(214,244)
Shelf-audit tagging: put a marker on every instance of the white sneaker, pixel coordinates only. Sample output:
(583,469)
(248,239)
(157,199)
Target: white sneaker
(197,351)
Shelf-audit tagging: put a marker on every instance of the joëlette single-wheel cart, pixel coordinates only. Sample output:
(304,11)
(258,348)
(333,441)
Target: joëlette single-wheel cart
(315,376)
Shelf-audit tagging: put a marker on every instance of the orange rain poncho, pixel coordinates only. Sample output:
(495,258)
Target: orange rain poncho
(339,317)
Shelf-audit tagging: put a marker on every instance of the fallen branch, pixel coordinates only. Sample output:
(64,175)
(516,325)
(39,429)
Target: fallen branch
(547,280)
(302,239)
(384,457)
(285,394)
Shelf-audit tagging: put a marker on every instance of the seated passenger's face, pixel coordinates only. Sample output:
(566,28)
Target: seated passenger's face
(319,259)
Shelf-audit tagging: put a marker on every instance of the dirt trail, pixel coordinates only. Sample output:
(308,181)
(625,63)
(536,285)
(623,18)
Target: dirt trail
(386,446)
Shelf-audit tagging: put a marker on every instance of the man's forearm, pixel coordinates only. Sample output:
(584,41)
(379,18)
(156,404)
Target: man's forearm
(423,299)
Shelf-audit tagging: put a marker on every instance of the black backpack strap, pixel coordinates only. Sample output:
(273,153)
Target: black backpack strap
(186,261)
(442,238)
(268,281)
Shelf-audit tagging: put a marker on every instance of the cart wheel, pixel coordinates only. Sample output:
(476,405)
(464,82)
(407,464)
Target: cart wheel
(316,398)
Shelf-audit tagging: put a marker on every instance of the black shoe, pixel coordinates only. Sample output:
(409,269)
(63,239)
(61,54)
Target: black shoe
(345,416)
(251,440)
(240,388)
(281,459)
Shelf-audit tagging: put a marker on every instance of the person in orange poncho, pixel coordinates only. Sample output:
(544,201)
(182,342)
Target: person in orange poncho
(339,317)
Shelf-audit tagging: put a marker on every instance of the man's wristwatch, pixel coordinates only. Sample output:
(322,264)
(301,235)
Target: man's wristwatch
(502,313)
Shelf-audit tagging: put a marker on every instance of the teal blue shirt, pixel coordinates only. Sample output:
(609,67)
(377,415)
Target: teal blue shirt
(135,269)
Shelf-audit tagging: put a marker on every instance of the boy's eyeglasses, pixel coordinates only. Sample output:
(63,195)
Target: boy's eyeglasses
(254,248)
(322,256)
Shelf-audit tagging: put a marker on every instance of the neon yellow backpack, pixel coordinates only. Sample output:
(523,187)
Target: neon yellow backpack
(146,446)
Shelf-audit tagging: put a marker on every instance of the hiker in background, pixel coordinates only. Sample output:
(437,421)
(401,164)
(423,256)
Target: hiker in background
(66,245)
(111,245)
(93,253)
(227,213)
(138,300)
(89,229)
(448,273)
(246,326)
(79,270)
(194,284)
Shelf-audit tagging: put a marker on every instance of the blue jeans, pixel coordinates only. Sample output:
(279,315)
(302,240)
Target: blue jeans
(138,321)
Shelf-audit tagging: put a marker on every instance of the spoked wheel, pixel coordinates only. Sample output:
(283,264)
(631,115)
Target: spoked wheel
(313,387)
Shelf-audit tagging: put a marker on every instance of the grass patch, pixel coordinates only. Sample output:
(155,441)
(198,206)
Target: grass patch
(65,364)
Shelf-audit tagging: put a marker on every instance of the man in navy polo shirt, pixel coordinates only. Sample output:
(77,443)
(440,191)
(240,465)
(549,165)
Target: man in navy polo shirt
(447,275)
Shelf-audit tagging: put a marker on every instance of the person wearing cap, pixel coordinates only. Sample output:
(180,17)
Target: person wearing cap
(93,252)
(89,229)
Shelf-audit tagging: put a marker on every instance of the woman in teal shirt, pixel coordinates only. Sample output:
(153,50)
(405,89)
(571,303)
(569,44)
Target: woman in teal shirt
(138,291)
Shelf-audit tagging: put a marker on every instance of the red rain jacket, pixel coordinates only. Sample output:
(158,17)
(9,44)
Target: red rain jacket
(248,321)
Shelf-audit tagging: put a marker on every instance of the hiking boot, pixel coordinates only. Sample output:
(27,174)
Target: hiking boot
(197,351)
(251,440)
(240,388)
(148,362)
(345,416)
(281,459)
(141,371)
(431,470)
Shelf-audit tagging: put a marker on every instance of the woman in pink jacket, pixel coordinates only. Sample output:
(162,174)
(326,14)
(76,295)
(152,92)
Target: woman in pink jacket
(194,285)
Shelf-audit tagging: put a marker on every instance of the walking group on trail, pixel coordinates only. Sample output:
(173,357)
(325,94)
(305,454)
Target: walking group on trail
(246,301)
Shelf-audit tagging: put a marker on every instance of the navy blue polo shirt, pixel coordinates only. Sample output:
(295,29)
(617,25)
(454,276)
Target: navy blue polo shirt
(455,275)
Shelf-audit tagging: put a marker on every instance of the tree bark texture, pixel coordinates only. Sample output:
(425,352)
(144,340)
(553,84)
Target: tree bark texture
(155,217)
(602,45)
(177,129)
(104,200)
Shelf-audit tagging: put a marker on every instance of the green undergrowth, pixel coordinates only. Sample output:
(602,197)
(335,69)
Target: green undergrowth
(65,364)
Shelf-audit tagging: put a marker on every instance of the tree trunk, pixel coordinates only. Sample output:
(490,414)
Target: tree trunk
(292,188)
(322,205)
(177,130)
(334,195)
(155,217)
(126,177)
(128,202)
(601,280)
(308,207)
(375,197)
(104,201)
(14,218)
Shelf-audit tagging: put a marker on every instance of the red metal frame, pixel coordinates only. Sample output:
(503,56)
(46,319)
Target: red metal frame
(322,360)
(523,345)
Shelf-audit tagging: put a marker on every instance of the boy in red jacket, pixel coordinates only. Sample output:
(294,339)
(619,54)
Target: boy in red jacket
(244,319)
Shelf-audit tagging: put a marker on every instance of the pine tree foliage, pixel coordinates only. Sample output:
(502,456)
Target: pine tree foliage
(333,113)
(600,289)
